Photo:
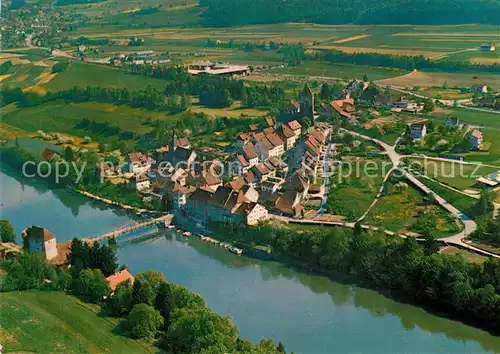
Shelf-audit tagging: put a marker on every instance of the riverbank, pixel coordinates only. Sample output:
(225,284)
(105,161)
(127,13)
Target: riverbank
(262,297)
(112,202)
(401,269)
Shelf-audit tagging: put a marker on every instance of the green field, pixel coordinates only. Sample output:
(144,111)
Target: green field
(468,116)
(460,176)
(462,202)
(53,322)
(351,196)
(491,157)
(62,117)
(398,211)
(86,74)
(345,71)
(22,76)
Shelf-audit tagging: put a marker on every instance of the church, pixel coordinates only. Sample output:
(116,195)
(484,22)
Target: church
(298,110)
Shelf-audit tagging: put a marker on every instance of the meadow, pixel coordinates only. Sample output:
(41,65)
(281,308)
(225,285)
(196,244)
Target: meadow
(455,174)
(410,205)
(342,71)
(48,322)
(468,116)
(357,187)
(63,117)
(439,79)
(460,201)
(87,74)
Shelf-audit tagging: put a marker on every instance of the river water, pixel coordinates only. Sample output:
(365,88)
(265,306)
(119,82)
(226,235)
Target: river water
(307,312)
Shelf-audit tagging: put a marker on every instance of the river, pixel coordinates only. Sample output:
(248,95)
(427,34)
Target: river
(307,312)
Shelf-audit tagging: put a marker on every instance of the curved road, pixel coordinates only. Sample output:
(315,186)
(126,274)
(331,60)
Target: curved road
(469,224)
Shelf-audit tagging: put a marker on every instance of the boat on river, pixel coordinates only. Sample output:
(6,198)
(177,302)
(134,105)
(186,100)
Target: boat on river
(235,250)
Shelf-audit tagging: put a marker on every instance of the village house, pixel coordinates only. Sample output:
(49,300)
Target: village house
(138,163)
(357,85)
(140,182)
(289,204)
(236,165)
(487,47)
(225,205)
(119,278)
(299,183)
(173,193)
(262,172)
(250,154)
(490,102)
(280,166)
(479,89)
(491,181)
(406,105)
(344,108)
(452,122)
(39,240)
(476,139)
(49,155)
(269,146)
(418,131)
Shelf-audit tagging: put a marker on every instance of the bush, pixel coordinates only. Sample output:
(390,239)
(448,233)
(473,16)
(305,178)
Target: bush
(144,321)
(60,67)
(7,232)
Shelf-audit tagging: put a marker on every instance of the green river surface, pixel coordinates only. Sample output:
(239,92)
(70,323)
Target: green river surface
(307,312)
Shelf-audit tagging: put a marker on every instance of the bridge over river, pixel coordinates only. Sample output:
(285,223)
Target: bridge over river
(162,220)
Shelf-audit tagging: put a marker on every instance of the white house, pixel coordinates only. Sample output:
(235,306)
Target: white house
(479,89)
(255,212)
(141,182)
(476,138)
(138,163)
(418,131)
(40,240)
(452,122)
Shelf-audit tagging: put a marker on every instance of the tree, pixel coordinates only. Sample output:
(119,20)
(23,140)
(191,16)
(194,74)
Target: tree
(69,154)
(120,303)
(7,231)
(365,78)
(485,203)
(143,321)
(91,283)
(325,91)
(104,258)
(194,330)
(428,105)
(164,302)
(143,292)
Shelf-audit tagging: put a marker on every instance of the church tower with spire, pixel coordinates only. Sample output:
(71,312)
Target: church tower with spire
(306,102)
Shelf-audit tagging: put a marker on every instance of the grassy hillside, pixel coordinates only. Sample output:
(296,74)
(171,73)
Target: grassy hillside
(63,116)
(48,322)
(85,74)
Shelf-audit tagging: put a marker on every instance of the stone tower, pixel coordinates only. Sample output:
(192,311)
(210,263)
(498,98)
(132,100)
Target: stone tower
(306,101)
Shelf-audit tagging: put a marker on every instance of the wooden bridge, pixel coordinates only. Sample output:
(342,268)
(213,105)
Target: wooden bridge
(162,220)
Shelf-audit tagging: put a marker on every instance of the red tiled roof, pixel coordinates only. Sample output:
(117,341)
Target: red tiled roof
(137,157)
(118,278)
(294,125)
(249,151)
(476,133)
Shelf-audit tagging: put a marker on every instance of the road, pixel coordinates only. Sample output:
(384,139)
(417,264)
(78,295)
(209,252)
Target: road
(469,225)
(450,103)
(326,181)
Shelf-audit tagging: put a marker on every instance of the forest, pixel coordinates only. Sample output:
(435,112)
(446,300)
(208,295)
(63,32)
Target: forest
(416,272)
(429,12)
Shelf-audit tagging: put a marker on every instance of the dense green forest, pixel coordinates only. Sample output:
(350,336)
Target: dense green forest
(432,12)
